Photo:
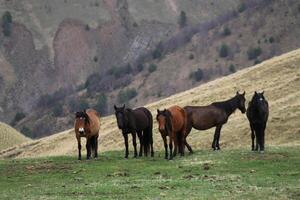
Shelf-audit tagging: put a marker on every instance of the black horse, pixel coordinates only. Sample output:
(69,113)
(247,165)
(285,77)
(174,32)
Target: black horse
(138,121)
(257,114)
(213,115)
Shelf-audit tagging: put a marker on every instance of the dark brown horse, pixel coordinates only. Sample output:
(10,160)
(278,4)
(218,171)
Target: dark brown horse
(257,114)
(138,121)
(172,123)
(214,115)
(87,124)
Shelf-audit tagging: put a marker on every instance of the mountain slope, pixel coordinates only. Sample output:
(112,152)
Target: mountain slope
(279,77)
(10,137)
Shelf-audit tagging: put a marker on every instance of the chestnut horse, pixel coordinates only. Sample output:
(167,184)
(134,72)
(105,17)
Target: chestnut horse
(257,114)
(172,123)
(87,124)
(214,115)
(136,121)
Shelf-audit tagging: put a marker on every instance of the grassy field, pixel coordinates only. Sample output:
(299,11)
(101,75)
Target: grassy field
(228,174)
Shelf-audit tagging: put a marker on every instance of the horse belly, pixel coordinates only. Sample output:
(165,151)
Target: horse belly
(204,121)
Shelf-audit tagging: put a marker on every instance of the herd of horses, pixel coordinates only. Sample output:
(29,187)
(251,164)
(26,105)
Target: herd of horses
(176,123)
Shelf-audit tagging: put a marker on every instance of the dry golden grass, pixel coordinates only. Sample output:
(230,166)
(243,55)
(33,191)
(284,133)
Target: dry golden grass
(10,137)
(279,77)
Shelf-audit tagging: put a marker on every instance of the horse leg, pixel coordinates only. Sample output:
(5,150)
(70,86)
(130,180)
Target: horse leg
(218,138)
(214,143)
(79,148)
(171,146)
(126,144)
(134,144)
(166,146)
(96,147)
(256,133)
(88,148)
(252,136)
(151,142)
(175,141)
(263,138)
(140,136)
(188,146)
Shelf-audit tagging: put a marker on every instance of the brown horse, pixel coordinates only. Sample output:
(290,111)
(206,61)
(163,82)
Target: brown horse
(172,123)
(87,124)
(214,115)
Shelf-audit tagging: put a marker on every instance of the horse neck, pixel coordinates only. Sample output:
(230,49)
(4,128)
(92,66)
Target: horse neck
(230,105)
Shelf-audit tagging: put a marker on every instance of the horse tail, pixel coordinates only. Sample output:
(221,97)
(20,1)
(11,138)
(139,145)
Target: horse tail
(148,134)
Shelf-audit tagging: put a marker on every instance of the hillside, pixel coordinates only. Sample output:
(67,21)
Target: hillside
(279,77)
(62,55)
(10,137)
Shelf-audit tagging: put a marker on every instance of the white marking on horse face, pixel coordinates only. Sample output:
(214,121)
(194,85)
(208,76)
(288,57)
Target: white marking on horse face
(261,99)
(81,129)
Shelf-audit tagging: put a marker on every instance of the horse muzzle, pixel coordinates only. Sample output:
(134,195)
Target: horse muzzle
(81,131)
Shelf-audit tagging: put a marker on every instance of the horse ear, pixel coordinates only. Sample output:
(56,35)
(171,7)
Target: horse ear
(123,106)
(262,92)
(115,107)
(237,92)
(157,111)
(244,93)
(255,92)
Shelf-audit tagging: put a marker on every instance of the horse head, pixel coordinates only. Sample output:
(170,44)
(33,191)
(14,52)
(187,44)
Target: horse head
(81,121)
(121,116)
(241,101)
(258,99)
(164,121)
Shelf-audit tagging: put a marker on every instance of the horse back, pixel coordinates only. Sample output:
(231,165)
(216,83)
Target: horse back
(143,118)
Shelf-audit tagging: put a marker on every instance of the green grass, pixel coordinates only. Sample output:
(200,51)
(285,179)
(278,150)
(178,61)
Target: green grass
(229,174)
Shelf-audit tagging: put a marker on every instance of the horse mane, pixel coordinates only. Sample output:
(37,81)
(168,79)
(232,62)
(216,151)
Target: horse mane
(229,105)
(83,114)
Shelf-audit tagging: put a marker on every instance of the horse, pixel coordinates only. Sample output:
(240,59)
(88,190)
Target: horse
(87,124)
(172,123)
(214,115)
(257,114)
(136,121)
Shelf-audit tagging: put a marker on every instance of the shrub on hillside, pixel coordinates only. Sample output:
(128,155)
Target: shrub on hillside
(224,51)
(157,53)
(253,53)
(197,75)
(191,56)
(18,117)
(6,23)
(271,39)
(58,110)
(232,68)
(117,72)
(226,31)
(126,95)
(182,21)
(140,67)
(26,131)
(242,7)
(101,105)
(152,67)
